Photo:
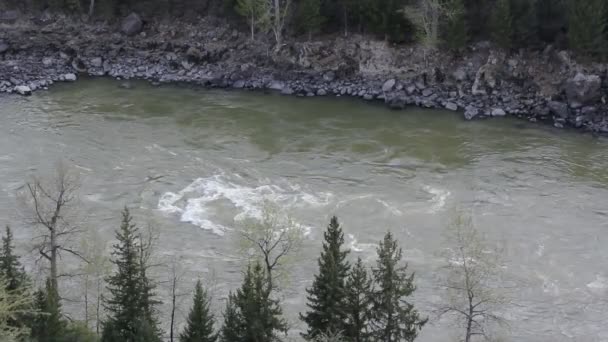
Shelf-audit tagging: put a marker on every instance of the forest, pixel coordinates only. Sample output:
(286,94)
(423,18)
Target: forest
(449,24)
(348,300)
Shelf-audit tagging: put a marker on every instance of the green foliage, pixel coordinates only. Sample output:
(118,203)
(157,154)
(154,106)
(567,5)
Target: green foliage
(525,22)
(326,296)
(48,325)
(15,306)
(256,12)
(455,30)
(357,303)
(502,24)
(79,332)
(587,26)
(131,305)
(251,314)
(309,16)
(10,267)
(393,317)
(199,326)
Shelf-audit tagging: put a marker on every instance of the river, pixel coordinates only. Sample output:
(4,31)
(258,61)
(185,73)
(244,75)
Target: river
(195,162)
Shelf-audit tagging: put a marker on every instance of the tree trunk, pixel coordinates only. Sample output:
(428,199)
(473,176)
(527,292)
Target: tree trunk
(54,260)
(98,304)
(173,296)
(345,22)
(91,8)
(252,27)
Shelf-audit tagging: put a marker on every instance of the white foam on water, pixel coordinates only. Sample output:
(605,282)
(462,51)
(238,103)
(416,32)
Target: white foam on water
(194,202)
(355,246)
(599,284)
(439,199)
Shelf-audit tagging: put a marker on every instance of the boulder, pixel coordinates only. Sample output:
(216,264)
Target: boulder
(388,85)
(485,78)
(321,92)
(460,75)
(451,106)
(276,85)
(70,77)
(4,46)
(97,62)
(427,92)
(498,112)
(132,24)
(238,84)
(287,91)
(559,109)
(79,65)
(329,76)
(23,90)
(47,61)
(470,112)
(583,89)
(187,65)
(368,97)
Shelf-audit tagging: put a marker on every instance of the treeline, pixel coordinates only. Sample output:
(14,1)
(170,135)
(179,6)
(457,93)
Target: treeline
(580,25)
(347,300)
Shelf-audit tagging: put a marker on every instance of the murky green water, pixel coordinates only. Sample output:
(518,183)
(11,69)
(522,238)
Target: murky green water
(544,192)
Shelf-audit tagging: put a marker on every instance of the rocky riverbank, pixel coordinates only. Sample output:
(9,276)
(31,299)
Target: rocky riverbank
(484,82)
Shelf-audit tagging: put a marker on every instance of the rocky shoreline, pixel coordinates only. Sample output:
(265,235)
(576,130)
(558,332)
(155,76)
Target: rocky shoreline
(546,86)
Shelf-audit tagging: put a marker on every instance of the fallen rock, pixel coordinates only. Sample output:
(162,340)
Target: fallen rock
(70,77)
(321,92)
(559,109)
(460,75)
(238,84)
(451,106)
(287,91)
(23,90)
(368,97)
(47,61)
(583,89)
(79,65)
(97,62)
(470,112)
(388,85)
(498,112)
(276,85)
(4,46)
(132,24)
(427,92)
(329,76)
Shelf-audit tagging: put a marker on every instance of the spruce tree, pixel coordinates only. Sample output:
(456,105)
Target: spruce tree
(130,307)
(501,24)
(326,296)
(357,303)
(10,267)
(393,317)
(200,321)
(456,33)
(587,26)
(48,325)
(251,314)
(525,22)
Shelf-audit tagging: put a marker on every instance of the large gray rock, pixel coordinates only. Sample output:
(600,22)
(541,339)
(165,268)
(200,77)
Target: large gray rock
(276,85)
(583,89)
(460,75)
(388,85)
(471,112)
(23,90)
(559,109)
(132,24)
(70,77)
(498,112)
(97,62)
(329,76)
(451,106)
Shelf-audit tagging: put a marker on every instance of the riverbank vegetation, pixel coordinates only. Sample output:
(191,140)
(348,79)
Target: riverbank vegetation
(348,299)
(452,24)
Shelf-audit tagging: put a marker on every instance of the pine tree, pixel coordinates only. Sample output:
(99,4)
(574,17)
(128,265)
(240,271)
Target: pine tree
(48,325)
(525,22)
(456,33)
(232,329)
(10,267)
(326,296)
(357,303)
(501,24)
(393,317)
(200,321)
(251,315)
(309,16)
(130,306)
(587,26)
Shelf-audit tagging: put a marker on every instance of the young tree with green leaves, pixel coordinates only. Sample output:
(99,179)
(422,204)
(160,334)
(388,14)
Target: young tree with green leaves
(357,303)
(130,305)
(587,26)
(15,304)
(257,13)
(393,318)
(501,24)
(326,296)
(199,325)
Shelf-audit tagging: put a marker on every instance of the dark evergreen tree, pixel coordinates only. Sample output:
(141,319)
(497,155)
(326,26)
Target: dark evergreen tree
(525,22)
(200,321)
(48,325)
(357,303)
(455,29)
(251,314)
(501,24)
(326,296)
(10,266)
(309,16)
(233,326)
(393,318)
(129,306)
(587,26)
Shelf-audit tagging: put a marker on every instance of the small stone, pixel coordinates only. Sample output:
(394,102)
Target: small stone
(427,92)
(47,61)
(471,112)
(240,84)
(368,97)
(97,62)
(321,92)
(329,76)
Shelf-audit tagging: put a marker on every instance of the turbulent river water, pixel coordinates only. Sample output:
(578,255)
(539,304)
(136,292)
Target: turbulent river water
(196,162)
